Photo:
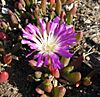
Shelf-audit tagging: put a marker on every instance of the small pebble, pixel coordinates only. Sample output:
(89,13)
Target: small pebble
(87,21)
(4,10)
(96,7)
(87,58)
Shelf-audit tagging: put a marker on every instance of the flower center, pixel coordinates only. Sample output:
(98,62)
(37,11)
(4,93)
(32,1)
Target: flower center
(49,46)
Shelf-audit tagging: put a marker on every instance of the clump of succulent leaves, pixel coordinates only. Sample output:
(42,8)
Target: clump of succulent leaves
(15,15)
(19,13)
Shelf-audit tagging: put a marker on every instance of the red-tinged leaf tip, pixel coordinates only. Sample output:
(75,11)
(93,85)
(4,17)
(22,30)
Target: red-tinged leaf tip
(39,91)
(7,58)
(73,10)
(52,2)
(54,72)
(70,1)
(47,85)
(3,36)
(32,63)
(62,15)
(3,76)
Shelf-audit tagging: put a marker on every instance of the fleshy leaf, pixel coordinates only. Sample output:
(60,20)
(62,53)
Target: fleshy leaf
(59,91)
(65,61)
(58,7)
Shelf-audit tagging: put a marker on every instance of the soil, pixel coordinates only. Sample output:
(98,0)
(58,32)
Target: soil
(87,21)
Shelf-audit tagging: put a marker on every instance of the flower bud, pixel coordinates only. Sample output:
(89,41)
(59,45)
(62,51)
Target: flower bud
(59,91)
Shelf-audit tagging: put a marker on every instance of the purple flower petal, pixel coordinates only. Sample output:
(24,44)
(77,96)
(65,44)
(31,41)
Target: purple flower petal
(60,30)
(55,61)
(33,45)
(45,59)
(52,28)
(62,47)
(37,55)
(29,54)
(56,20)
(68,42)
(66,37)
(43,28)
(25,41)
(31,29)
(40,60)
(65,53)
(42,24)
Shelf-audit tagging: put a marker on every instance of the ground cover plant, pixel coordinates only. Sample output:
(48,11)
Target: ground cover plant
(49,48)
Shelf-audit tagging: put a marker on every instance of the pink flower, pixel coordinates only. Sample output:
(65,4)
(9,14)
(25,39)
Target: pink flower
(50,44)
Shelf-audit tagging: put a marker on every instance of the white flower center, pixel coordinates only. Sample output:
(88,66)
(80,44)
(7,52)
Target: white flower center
(49,45)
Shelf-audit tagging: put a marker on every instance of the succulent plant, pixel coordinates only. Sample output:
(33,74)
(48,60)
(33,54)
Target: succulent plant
(45,26)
